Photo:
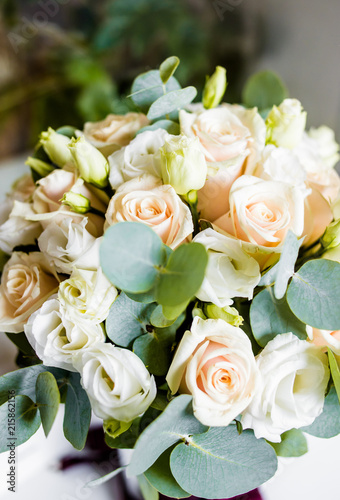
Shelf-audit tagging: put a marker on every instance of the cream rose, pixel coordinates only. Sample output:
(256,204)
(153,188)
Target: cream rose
(294,377)
(27,281)
(114,132)
(15,229)
(116,381)
(87,295)
(261,213)
(214,362)
(50,190)
(141,156)
(69,245)
(325,338)
(146,200)
(230,273)
(231,138)
(56,339)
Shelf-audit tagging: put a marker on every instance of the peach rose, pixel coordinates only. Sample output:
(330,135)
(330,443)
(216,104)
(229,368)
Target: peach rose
(214,362)
(144,199)
(114,132)
(325,338)
(318,215)
(231,138)
(261,213)
(27,281)
(49,192)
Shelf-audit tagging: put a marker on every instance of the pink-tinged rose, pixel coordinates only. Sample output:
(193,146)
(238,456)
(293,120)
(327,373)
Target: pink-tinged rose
(144,199)
(27,281)
(114,132)
(318,215)
(214,362)
(23,188)
(49,192)
(261,213)
(325,338)
(231,138)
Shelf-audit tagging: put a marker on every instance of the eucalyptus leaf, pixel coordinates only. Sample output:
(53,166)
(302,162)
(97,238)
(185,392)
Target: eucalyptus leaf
(313,294)
(222,463)
(77,415)
(26,422)
(286,264)
(20,340)
(183,275)
(176,423)
(127,320)
(148,87)
(130,255)
(171,101)
(22,381)
(170,126)
(48,399)
(293,444)
(158,319)
(147,490)
(327,425)
(160,477)
(335,371)
(168,68)
(270,317)
(264,90)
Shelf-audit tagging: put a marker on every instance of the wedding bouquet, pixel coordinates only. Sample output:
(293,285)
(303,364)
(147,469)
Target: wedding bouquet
(176,271)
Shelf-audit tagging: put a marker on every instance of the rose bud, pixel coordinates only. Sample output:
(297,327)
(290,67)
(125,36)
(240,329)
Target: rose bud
(56,147)
(92,165)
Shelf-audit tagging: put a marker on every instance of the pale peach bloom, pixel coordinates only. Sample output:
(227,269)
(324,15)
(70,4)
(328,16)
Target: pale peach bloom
(325,338)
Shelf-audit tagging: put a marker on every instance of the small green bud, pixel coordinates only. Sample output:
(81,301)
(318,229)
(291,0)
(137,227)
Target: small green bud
(215,88)
(41,167)
(183,164)
(77,202)
(114,428)
(56,147)
(331,237)
(92,165)
(286,124)
(227,313)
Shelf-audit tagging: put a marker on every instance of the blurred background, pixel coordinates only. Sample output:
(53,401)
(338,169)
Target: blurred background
(70,61)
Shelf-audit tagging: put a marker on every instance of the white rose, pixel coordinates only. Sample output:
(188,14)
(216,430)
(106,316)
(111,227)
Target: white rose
(116,381)
(114,132)
(261,213)
(231,138)
(231,272)
(87,295)
(286,124)
(140,157)
(26,282)
(15,229)
(214,362)
(294,378)
(56,339)
(146,200)
(69,245)
(318,154)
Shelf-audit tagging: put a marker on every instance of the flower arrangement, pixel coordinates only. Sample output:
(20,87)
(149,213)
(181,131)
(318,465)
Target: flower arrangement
(176,271)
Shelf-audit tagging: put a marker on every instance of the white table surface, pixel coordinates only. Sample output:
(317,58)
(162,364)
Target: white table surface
(313,476)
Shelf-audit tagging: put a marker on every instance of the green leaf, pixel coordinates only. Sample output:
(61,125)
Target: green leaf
(48,399)
(335,371)
(286,264)
(148,87)
(158,319)
(327,425)
(168,68)
(160,477)
(183,275)
(148,491)
(270,317)
(67,130)
(22,381)
(168,125)
(25,423)
(293,444)
(222,464)
(145,298)
(173,312)
(107,477)
(20,340)
(264,90)
(172,101)
(313,295)
(176,423)
(77,416)
(130,255)
(127,320)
